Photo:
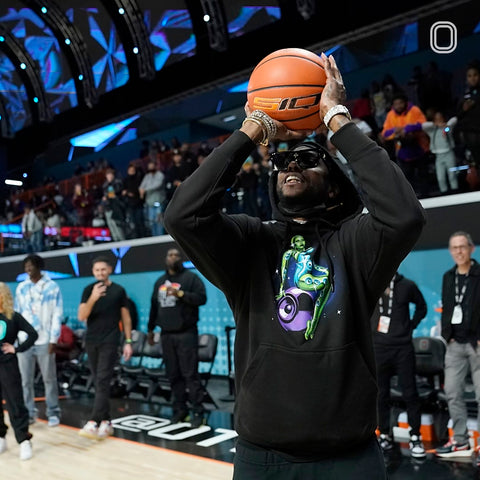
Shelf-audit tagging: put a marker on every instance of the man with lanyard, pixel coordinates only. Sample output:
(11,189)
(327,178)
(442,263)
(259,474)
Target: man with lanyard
(460,329)
(395,355)
(39,300)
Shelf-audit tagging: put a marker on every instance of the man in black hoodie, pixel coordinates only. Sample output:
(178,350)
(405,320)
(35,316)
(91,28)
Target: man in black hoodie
(461,331)
(395,355)
(176,296)
(306,390)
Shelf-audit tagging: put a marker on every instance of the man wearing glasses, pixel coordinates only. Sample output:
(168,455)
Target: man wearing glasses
(302,289)
(461,330)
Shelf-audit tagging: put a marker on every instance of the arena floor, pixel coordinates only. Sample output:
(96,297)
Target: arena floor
(146,445)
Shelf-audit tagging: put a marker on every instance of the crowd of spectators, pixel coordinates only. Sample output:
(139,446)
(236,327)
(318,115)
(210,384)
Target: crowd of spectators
(430,132)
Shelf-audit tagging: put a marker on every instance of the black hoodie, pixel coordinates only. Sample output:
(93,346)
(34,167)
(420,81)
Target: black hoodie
(305,398)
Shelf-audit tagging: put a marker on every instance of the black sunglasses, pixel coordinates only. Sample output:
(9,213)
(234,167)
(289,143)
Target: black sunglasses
(308,157)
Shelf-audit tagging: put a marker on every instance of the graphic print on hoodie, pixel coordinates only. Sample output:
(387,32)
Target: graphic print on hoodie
(304,289)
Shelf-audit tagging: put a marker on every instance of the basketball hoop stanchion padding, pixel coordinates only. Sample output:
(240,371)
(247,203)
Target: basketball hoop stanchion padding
(231,382)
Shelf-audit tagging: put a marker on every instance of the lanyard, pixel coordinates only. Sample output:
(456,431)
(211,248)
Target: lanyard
(459,297)
(390,301)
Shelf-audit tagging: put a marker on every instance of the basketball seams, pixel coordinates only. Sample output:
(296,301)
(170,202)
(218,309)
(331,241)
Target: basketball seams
(292,85)
(289,56)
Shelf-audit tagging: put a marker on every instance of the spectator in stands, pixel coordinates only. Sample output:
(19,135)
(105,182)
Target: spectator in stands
(468,113)
(83,203)
(176,173)
(39,300)
(392,329)
(133,202)
(53,218)
(442,145)
(437,88)
(58,197)
(389,88)
(403,126)
(247,181)
(461,331)
(53,224)
(99,219)
(11,325)
(363,109)
(114,207)
(103,305)
(32,229)
(188,157)
(416,82)
(152,192)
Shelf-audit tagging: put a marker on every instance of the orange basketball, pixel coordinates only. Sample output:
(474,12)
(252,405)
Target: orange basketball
(287,85)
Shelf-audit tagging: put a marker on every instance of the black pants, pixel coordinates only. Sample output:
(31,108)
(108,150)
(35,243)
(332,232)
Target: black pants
(11,389)
(180,352)
(397,361)
(102,359)
(360,464)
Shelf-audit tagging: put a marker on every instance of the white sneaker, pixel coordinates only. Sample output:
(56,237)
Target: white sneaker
(26,451)
(417,449)
(3,444)
(105,429)
(53,421)
(90,430)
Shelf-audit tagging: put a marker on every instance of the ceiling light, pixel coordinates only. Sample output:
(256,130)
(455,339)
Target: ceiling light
(16,183)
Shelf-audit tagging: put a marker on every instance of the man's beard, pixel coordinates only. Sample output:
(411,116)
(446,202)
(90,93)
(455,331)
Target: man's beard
(308,198)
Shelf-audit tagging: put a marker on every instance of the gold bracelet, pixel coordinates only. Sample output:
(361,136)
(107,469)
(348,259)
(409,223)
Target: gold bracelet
(264,141)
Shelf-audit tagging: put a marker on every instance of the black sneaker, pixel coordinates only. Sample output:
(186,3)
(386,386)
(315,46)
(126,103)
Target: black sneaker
(197,420)
(179,416)
(386,442)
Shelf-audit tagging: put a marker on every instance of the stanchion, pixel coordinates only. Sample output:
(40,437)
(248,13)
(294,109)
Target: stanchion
(231,382)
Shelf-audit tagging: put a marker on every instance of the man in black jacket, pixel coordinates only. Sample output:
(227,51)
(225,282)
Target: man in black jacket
(461,331)
(395,355)
(302,289)
(174,308)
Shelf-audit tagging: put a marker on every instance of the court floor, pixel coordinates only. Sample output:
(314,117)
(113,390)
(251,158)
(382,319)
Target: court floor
(146,445)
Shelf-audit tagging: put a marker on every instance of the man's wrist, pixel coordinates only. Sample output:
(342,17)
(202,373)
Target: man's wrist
(128,341)
(180,293)
(333,112)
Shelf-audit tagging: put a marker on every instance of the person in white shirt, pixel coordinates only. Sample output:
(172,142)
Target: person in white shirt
(39,300)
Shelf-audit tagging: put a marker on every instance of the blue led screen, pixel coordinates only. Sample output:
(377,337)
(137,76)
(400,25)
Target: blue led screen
(106,52)
(39,41)
(14,96)
(245,16)
(170,31)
